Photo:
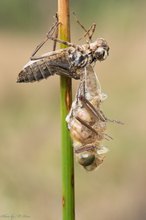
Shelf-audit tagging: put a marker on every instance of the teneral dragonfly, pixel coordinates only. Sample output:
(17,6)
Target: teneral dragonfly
(68,61)
(87,123)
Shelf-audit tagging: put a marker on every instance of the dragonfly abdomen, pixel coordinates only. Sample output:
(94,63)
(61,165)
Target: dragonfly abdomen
(35,72)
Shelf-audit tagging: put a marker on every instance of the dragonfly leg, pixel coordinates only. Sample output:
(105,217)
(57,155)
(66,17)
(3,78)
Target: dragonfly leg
(53,31)
(56,32)
(62,41)
(56,40)
(86,125)
(97,114)
(88,33)
(91,109)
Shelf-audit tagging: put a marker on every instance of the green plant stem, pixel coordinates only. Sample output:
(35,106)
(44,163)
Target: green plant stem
(68,203)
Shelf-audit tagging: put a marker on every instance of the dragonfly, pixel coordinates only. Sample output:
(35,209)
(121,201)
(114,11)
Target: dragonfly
(64,62)
(87,122)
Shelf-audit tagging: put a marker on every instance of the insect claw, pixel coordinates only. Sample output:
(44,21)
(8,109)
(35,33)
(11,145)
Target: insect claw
(116,121)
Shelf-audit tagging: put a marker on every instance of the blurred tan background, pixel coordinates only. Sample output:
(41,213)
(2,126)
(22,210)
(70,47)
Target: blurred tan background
(30,154)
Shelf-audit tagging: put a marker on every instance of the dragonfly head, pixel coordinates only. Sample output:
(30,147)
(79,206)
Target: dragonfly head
(100,49)
(91,159)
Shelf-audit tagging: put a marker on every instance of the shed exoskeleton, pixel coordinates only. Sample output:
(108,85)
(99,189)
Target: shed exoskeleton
(68,61)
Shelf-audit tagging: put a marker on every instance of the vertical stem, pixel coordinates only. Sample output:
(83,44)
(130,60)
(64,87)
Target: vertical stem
(66,100)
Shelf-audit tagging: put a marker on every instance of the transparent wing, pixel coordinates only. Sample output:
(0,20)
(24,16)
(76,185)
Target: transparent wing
(89,88)
(90,85)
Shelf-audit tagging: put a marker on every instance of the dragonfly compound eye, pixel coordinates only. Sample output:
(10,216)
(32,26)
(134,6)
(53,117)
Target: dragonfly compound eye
(86,159)
(101,53)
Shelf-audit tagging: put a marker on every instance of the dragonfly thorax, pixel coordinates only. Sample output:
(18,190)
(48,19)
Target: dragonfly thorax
(82,56)
(99,49)
(79,58)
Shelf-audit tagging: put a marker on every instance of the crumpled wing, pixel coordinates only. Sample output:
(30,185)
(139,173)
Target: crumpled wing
(90,87)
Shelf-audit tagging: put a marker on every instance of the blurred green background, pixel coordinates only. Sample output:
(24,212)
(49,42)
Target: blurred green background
(30,154)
